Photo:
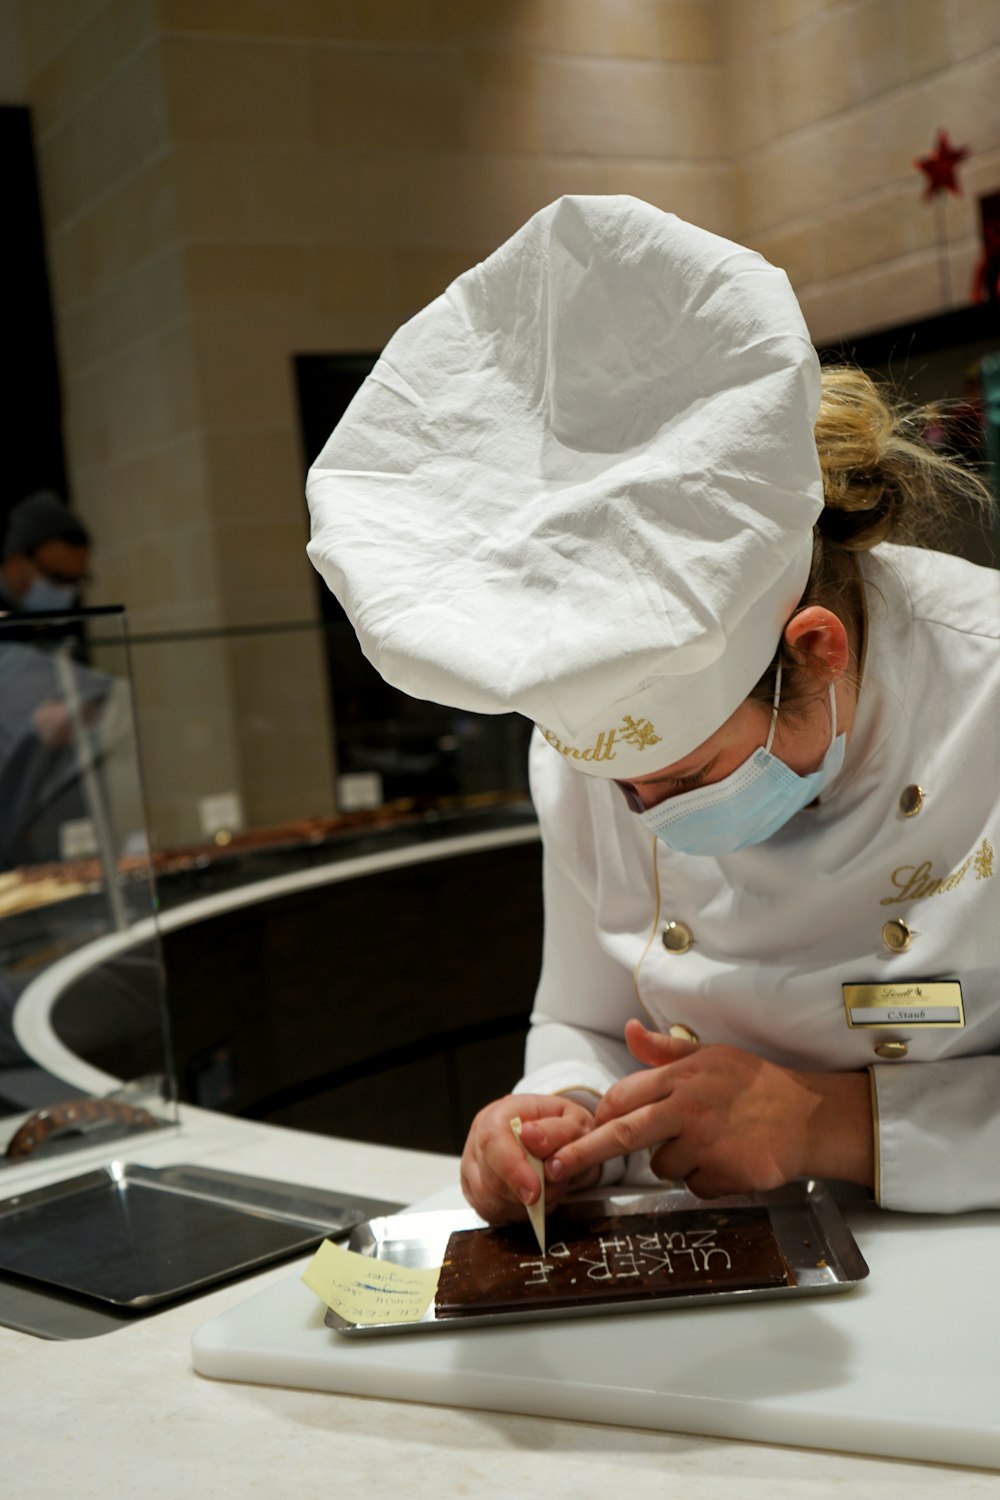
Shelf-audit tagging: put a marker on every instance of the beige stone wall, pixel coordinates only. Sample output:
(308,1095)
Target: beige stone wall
(832,100)
(228,183)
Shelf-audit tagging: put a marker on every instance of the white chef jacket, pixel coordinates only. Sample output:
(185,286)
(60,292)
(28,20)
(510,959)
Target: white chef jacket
(777,929)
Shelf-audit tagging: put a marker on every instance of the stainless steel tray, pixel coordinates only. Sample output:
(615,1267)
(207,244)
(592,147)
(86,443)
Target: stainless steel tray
(820,1251)
(131,1237)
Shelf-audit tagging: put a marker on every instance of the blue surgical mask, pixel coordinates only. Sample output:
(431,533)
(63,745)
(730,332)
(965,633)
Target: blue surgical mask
(45,596)
(748,806)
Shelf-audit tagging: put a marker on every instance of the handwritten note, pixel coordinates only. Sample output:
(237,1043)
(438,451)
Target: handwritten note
(364,1290)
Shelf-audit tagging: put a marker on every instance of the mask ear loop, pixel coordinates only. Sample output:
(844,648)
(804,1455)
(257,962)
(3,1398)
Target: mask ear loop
(774,708)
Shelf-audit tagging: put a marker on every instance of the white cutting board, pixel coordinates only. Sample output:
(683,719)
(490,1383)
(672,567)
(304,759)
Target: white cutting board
(906,1364)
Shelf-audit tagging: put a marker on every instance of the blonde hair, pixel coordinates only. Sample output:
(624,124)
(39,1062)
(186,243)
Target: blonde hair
(881,482)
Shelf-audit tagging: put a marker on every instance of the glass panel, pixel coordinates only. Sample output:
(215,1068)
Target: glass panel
(281,739)
(84,1052)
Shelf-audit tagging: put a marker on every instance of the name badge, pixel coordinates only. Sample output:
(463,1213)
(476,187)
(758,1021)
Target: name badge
(918,1003)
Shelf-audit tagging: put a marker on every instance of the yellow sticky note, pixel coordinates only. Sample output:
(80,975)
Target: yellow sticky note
(364,1290)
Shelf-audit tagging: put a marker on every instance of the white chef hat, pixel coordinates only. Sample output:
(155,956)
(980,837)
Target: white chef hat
(581,485)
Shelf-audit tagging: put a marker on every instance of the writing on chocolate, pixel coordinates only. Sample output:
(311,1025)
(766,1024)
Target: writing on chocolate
(628,1257)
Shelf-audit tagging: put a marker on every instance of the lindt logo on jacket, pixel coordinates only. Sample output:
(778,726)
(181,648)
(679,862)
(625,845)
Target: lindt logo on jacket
(916,882)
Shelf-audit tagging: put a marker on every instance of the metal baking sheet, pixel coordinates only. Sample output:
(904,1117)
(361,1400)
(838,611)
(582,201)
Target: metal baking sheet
(818,1247)
(131,1237)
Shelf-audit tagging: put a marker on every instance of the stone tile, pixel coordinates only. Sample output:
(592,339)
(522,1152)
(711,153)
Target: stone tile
(263,18)
(62,189)
(924,40)
(519,24)
(229,91)
(211,192)
(454,198)
(246,278)
(701,194)
(830,312)
(122,126)
(973,28)
(794,250)
(96,329)
(501,108)
(689,31)
(631,109)
(809,72)
(787,15)
(744,30)
(868,234)
(242,370)
(344,278)
(963,100)
(129,226)
(421,273)
(356,197)
(558,175)
(46,29)
(750,106)
(255,475)
(264,573)
(875,61)
(898,293)
(371,99)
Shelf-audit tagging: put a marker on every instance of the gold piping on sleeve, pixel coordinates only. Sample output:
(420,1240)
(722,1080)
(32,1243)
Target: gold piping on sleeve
(875,1136)
(652,934)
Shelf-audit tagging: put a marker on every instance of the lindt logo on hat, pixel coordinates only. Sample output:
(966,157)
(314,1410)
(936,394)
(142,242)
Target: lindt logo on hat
(637,732)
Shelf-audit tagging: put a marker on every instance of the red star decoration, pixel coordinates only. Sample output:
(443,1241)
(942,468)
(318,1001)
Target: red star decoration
(939,166)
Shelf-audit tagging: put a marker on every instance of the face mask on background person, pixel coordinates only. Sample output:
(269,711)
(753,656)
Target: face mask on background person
(45,595)
(749,805)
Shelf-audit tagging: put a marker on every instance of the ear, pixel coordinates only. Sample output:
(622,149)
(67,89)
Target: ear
(818,638)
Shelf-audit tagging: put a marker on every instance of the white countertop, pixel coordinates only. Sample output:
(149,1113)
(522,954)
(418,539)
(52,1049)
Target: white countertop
(124,1413)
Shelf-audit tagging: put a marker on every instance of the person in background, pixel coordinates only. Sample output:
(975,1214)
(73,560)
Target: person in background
(46,552)
(602,481)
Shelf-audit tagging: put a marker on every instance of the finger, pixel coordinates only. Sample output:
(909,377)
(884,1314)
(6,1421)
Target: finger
(632,1132)
(501,1157)
(633,1092)
(493,1207)
(655,1048)
(543,1137)
(673,1161)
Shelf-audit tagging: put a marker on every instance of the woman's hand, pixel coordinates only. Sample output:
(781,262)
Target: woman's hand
(725,1121)
(496,1178)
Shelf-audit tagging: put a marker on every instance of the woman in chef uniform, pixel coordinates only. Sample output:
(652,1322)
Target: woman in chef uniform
(601,482)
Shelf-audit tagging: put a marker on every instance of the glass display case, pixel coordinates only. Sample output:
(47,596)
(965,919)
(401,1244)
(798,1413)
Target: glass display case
(88,1061)
(163,933)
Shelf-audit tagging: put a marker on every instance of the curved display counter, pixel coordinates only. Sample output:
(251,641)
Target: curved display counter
(378,988)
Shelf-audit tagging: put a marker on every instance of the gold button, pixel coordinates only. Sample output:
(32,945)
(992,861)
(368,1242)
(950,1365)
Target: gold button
(683,1033)
(677,937)
(911,801)
(896,936)
(891,1050)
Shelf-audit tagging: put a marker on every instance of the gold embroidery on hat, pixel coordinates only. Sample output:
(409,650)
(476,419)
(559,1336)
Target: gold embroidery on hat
(983,861)
(602,749)
(638,732)
(917,882)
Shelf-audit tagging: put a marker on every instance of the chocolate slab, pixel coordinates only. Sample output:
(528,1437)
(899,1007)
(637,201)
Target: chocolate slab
(615,1258)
